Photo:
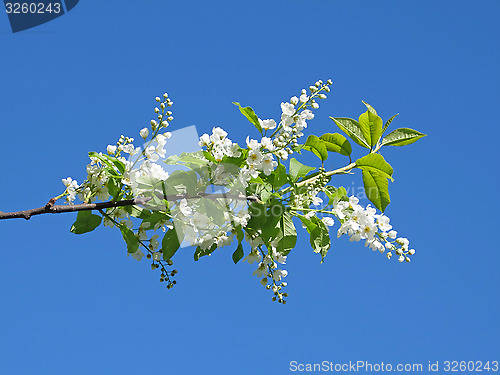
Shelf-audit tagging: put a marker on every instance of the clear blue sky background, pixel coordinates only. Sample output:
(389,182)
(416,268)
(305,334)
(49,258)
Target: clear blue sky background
(77,305)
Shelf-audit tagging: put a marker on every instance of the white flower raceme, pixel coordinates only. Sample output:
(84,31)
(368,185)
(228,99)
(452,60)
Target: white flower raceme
(365,224)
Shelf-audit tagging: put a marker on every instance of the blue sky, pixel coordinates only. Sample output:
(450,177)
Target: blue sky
(77,305)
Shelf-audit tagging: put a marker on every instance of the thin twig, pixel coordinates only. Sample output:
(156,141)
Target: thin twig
(51,208)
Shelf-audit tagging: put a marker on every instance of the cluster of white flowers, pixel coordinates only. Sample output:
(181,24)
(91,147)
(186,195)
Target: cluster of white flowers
(219,144)
(198,225)
(261,153)
(268,266)
(71,189)
(365,224)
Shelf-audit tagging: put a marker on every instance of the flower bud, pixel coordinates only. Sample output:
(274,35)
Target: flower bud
(144,133)
(157,99)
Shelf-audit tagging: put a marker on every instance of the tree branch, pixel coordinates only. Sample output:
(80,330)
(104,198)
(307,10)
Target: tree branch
(51,208)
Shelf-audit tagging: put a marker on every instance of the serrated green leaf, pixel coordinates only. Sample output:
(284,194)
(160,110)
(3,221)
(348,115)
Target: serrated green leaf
(287,235)
(336,142)
(298,170)
(320,238)
(370,108)
(250,115)
(317,146)
(352,128)
(376,188)
(238,253)
(85,222)
(371,126)
(402,137)
(377,163)
(170,243)
(130,239)
(388,122)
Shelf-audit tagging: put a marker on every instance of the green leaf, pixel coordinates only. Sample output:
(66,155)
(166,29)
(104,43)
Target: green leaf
(317,146)
(402,137)
(113,188)
(287,237)
(352,128)
(376,188)
(170,243)
(250,115)
(238,253)
(119,164)
(279,177)
(202,252)
(208,156)
(320,238)
(336,142)
(257,216)
(376,163)
(130,239)
(272,227)
(335,194)
(298,170)
(370,108)
(310,226)
(371,126)
(85,222)
(138,212)
(388,122)
(240,235)
(153,218)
